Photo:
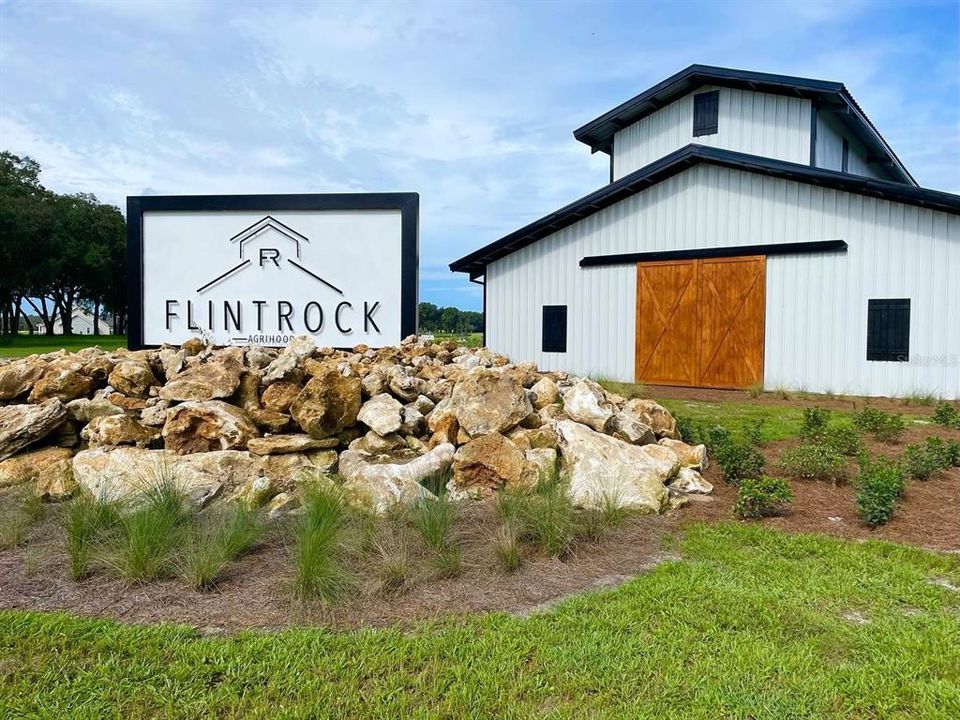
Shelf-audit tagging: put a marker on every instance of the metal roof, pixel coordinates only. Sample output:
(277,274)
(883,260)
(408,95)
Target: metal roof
(598,133)
(475,263)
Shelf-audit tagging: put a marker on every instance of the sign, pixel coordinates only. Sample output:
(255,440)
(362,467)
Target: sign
(238,269)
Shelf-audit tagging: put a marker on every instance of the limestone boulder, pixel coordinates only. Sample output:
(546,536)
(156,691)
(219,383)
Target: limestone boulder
(602,469)
(404,386)
(195,427)
(210,381)
(34,465)
(328,403)
(691,482)
(255,492)
(382,413)
(17,378)
(133,378)
(83,410)
(486,401)
(629,428)
(283,444)
(653,414)
(272,421)
(154,413)
(382,486)
(490,462)
(540,466)
(290,358)
(62,380)
(282,504)
(544,392)
(692,456)
(113,430)
(127,474)
(280,396)
(23,425)
(57,484)
(585,402)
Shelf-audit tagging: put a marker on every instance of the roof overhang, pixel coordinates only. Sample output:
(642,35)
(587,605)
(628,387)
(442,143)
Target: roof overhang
(476,262)
(598,133)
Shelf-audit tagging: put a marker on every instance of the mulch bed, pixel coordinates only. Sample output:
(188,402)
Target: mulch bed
(256,592)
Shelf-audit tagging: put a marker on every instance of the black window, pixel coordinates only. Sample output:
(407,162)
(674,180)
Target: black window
(554,328)
(706,110)
(888,330)
(845,156)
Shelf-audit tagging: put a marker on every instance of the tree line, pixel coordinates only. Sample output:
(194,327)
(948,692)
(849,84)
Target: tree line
(435,319)
(57,253)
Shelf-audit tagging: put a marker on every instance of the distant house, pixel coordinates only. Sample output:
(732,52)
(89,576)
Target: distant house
(82,324)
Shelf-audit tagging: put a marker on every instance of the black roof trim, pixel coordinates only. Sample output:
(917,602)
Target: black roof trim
(725,251)
(475,263)
(598,133)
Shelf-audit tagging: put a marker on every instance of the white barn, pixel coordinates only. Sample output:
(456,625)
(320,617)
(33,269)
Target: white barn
(756,229)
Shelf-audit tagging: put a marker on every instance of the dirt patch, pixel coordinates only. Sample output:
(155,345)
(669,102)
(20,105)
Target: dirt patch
(256,592)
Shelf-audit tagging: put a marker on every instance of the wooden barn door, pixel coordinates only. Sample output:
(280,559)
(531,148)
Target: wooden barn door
(701,322)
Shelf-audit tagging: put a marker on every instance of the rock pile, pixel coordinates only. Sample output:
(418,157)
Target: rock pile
(254,424)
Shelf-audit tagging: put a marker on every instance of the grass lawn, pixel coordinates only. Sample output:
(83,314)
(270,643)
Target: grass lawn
(23,345)
(750,623)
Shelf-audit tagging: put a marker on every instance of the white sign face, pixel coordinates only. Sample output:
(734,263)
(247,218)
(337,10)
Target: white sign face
(249,276)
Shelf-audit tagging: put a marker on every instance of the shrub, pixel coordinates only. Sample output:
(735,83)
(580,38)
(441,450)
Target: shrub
(947,415)
(150,533)
(736,459)
(814,461)
(753,432)
(319,573)
(921,462)
(879,486)
(762,497)
(434,519)
(844,439)
(885,427)
(88,522)
(814,423)
(691,432)
(506,545)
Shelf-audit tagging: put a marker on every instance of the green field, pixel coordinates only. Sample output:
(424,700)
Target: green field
(23,345)
(751,623)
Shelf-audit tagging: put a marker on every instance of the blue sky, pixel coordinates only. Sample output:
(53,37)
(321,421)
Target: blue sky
(471,104)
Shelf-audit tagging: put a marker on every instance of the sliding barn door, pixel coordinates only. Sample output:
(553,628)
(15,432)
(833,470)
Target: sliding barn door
(701,322)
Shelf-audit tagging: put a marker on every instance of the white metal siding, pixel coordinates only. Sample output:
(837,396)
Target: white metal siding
(816,304)
(830,135)
(774,126)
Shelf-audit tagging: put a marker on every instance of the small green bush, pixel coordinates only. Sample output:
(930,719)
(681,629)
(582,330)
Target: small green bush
(753,432)
(922,462)
(885,427)
(396,568)
(319,573)
(844,439)
(880,484)
(691,431)
(947,415)
(737,459)
(762,497)
(434,520)
(13,530)
(814,423)
(814,461)
(544,517)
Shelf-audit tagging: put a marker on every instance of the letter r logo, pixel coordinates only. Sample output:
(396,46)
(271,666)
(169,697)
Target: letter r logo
(269,254)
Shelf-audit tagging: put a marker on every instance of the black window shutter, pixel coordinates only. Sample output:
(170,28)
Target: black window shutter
(706,112)
(845,156)
(888,330)
(554,328)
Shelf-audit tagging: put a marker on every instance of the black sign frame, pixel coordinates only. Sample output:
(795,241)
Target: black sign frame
(407,203)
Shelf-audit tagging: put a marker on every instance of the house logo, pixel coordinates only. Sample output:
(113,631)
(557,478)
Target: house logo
(267,244)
